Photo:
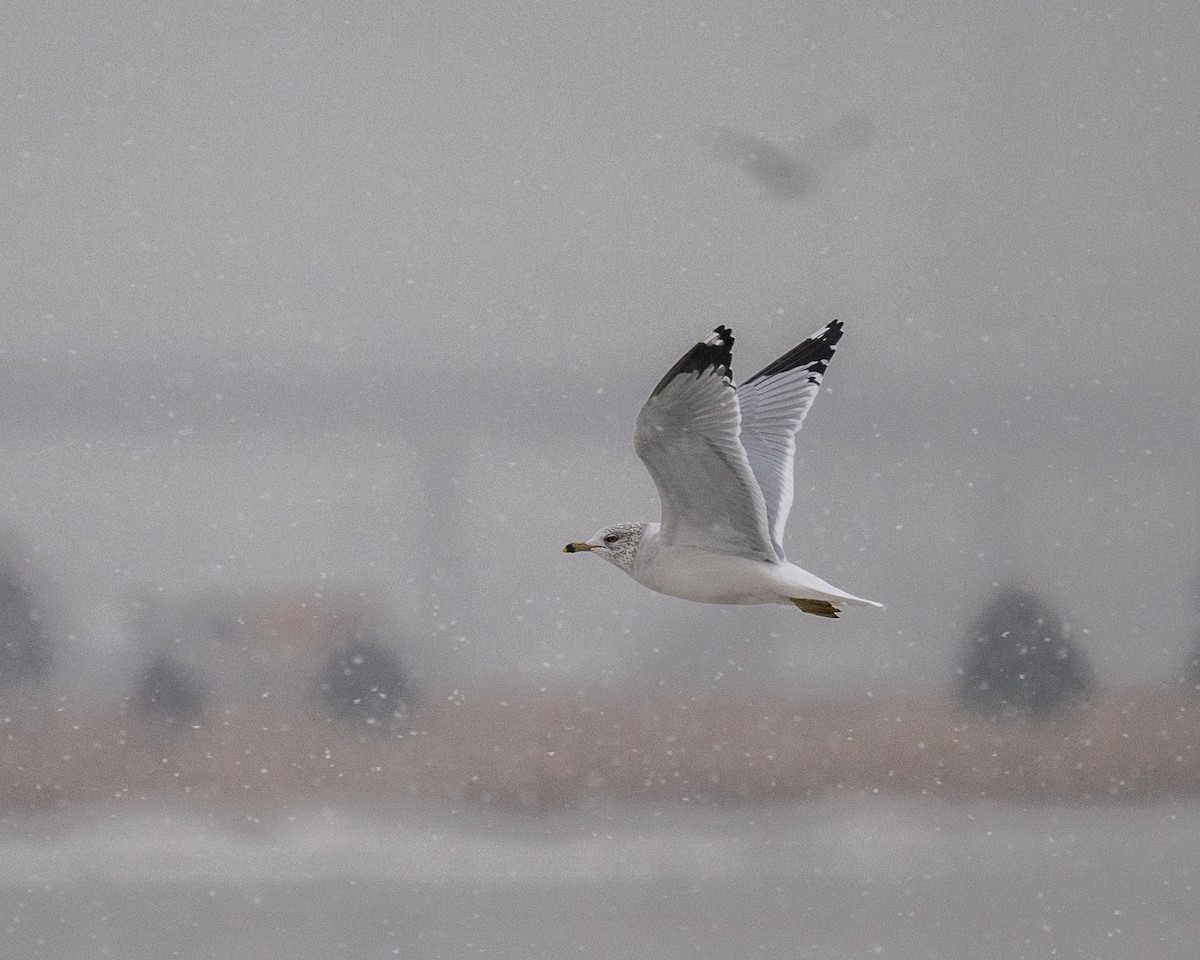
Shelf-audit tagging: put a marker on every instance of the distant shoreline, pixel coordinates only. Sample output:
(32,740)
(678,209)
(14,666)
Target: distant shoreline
(552,753)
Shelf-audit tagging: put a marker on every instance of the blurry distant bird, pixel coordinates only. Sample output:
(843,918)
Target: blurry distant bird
(722,459)
(780,173)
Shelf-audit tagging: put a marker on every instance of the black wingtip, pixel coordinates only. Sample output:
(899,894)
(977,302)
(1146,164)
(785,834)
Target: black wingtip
(715,352)
(815,351)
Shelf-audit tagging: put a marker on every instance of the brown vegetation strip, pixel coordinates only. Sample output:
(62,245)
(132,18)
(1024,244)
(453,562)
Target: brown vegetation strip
(550,754)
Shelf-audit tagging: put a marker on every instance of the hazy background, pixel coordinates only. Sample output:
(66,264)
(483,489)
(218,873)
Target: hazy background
(294,294)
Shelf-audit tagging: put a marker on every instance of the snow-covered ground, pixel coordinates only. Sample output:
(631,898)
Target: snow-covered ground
(864,879)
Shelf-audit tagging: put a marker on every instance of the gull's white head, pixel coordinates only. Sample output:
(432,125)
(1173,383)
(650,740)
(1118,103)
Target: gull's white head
(617,544)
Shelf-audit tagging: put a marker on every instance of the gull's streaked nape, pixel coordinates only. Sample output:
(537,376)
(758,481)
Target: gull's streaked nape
(722,458)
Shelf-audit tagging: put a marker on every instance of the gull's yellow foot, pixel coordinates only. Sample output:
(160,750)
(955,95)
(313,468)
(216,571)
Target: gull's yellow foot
(818,608)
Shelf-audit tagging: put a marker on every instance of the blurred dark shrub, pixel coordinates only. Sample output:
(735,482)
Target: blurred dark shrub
(1190,679)
(364,681)
(25,647)
(169,691)
(1018,662)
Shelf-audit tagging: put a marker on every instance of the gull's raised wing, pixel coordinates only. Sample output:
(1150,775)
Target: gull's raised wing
(688,437)
(773,405)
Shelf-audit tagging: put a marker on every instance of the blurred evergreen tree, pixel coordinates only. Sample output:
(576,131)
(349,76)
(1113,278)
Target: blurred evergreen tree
(1018,662)
(1189,678)
(365,681)
(169,691)
(25,650)
(1191,671)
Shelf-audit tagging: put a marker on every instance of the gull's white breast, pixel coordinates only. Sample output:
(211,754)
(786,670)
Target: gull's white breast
(693,573)
(699,575)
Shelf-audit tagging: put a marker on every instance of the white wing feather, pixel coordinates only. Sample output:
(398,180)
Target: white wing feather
(773,405)
(688,435)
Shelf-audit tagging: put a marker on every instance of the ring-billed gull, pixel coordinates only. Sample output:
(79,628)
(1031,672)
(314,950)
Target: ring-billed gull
(722,459)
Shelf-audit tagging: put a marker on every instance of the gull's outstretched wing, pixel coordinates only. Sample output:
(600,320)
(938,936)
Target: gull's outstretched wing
(773,403)
(688,437)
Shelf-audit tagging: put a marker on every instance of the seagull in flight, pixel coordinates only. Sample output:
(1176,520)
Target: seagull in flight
(722,459)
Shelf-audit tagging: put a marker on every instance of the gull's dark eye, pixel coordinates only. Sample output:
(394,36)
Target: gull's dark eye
(611,538)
